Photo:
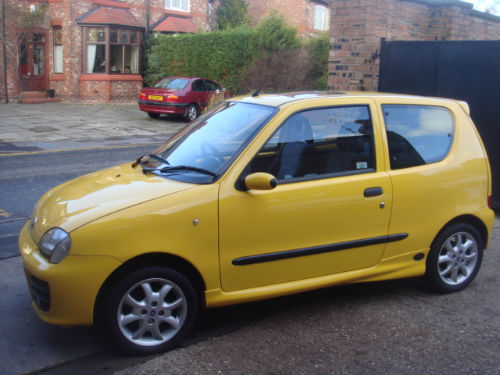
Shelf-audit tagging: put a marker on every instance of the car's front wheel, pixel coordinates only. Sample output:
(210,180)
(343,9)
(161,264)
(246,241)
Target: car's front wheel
(150,310)
(191,112)
(454,259)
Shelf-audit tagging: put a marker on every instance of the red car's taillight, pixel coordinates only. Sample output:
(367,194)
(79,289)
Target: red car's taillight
(170,98)
(142,96)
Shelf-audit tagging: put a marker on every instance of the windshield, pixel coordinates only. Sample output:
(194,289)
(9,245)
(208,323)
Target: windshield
(172,83)
(212,142)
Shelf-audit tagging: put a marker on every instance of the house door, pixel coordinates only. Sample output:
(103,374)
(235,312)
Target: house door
(32,64)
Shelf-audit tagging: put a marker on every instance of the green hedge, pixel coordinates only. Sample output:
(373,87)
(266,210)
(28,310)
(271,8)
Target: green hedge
(220,55)
(233,57)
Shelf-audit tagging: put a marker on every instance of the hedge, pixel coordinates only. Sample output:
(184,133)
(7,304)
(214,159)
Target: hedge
(221,56)
(233,57)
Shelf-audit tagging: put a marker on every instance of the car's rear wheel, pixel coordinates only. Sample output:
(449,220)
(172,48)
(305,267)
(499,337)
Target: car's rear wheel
(153,115)
(454,259)
(191,112)
(150,310)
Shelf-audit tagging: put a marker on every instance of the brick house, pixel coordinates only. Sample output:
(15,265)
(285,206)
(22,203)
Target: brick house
(89,50)
(358,26)
(311,17)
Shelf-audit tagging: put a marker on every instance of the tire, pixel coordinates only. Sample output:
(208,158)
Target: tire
(454,259)
(153,115)
(149,310)
(191,112)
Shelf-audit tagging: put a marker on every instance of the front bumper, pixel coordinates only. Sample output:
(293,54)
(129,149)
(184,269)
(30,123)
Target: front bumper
(162,107)
(64,293)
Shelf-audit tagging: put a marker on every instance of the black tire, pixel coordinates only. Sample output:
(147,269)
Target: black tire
(141,323)
(191,113)
(153,115)
(454,259)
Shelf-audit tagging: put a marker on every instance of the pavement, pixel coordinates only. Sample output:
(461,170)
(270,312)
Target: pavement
(67,126)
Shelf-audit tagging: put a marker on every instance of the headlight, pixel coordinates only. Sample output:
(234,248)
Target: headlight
(55,244)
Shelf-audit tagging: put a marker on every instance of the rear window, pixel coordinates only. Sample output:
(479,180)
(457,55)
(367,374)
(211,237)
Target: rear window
(172,83)
(417,134)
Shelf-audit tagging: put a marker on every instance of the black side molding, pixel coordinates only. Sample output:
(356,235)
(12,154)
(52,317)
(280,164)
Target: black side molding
(261,258)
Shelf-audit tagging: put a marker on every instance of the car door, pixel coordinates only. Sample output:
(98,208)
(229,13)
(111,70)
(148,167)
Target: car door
(215,92)
(329,212)
(200,93)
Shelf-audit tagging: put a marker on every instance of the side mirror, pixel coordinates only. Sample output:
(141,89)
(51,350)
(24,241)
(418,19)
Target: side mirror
(260,181)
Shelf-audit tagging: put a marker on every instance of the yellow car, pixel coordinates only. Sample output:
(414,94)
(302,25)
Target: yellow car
(263,196)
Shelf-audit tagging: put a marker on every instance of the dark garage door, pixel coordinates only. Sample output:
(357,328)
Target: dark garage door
(465,70)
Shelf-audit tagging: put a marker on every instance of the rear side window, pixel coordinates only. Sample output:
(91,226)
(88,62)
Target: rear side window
(417,134)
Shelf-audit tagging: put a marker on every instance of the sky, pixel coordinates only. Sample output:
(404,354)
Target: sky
(483,5)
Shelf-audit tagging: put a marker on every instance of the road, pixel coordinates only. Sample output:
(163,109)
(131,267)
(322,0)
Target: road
(23,180)
(380,328)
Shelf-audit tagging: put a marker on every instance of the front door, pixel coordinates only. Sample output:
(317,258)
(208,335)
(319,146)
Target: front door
(32,64)
(329,213)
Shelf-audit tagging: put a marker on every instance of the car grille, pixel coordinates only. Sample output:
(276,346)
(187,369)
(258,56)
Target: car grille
(40,292)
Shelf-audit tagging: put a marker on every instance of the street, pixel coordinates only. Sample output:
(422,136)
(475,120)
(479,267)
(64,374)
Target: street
(23,179)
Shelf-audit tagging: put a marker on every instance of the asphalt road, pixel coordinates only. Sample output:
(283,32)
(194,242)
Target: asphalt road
(27,343)
(379,328)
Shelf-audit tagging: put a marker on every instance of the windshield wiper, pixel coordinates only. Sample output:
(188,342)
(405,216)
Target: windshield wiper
(187,168)
(144,158)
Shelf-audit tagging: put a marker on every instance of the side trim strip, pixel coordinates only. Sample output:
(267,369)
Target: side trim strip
(261,258)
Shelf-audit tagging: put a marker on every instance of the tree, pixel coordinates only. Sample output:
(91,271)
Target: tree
(15,39)
(232,14)
(274,34)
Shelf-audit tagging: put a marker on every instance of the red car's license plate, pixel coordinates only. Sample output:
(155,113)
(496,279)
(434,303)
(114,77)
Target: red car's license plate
(155,97)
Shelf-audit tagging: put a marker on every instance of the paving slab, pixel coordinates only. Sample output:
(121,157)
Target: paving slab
(54,126)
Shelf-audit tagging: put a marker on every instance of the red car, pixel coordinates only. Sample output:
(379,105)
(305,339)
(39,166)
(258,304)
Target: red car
(180,96)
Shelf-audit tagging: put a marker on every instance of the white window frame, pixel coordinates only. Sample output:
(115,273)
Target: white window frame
(320,18)
(179,5)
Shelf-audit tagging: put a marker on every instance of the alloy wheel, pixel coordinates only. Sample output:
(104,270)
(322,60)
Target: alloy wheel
(457,258)
(152,311)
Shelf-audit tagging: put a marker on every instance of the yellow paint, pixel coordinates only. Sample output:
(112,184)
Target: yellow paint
(118,214)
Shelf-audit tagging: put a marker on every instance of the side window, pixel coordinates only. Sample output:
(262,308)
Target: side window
(319,143)
(417,134)
(211,86)
(199,85)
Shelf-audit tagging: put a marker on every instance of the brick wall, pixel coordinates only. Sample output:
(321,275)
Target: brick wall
(357,27)
(298,13)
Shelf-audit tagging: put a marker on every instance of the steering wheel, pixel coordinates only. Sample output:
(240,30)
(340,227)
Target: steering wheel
(209,151)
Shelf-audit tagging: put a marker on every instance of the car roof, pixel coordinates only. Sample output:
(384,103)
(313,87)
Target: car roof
(277,100)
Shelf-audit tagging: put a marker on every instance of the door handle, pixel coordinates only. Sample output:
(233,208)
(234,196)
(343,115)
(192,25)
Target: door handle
(373,191)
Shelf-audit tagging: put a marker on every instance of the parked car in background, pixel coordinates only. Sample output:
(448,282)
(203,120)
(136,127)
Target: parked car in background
(263,196)
(183,96)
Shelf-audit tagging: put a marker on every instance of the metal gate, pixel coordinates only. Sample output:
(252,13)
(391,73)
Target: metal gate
(465,70)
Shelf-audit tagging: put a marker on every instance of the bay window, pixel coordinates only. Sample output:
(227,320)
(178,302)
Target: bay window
(111,50)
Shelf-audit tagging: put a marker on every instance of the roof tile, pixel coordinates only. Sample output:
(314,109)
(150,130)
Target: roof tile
(176,24)
(109,16)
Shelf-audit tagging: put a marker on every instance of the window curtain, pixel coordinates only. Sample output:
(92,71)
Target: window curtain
(91,52)
(134,63)
(58,59)
(320,16)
